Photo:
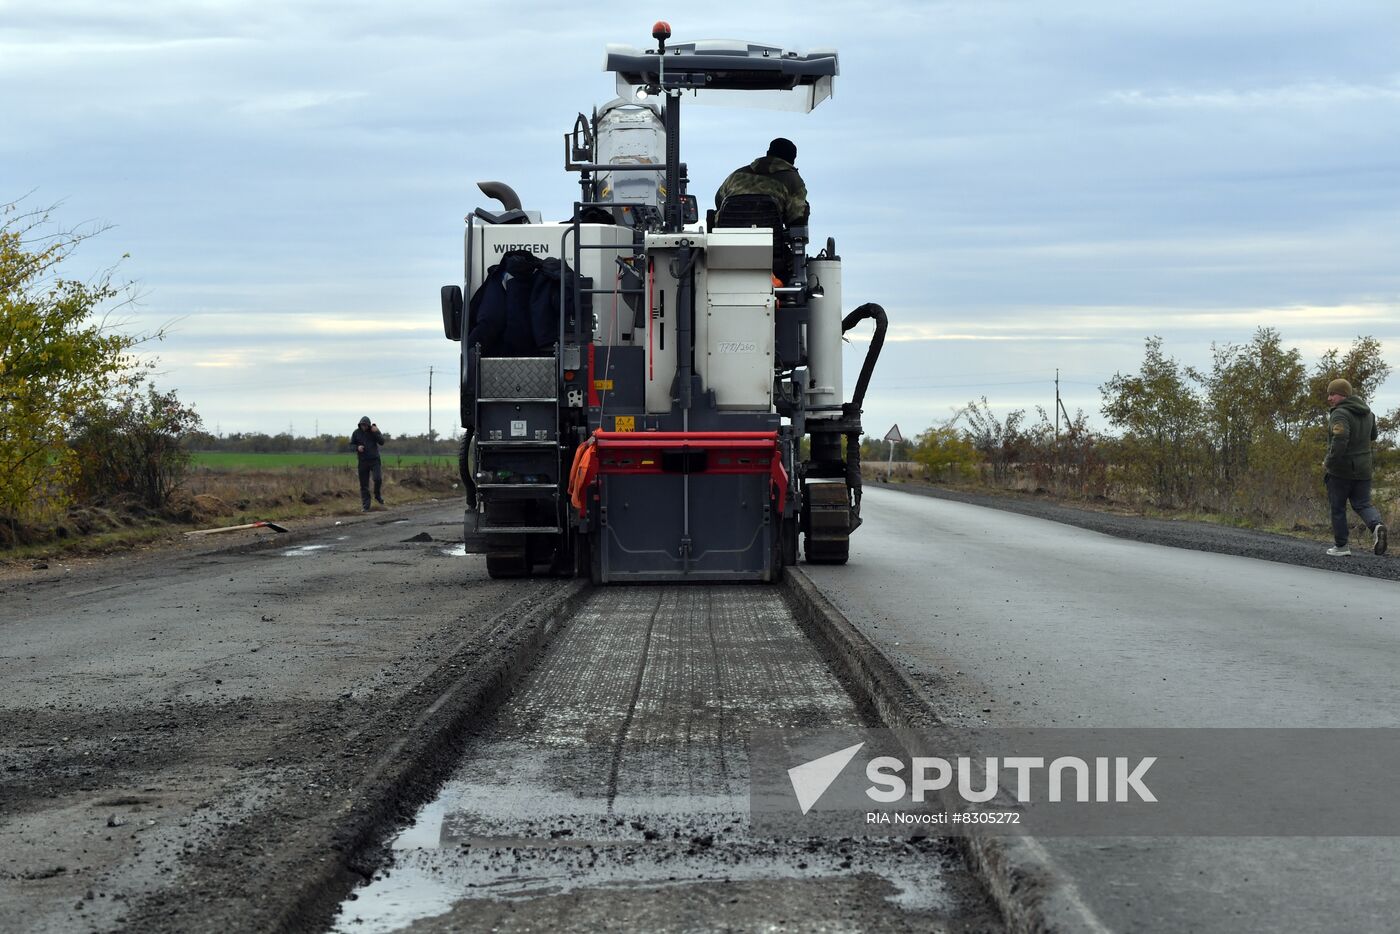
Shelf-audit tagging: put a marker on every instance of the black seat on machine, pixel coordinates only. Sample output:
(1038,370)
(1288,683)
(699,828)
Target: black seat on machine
(760,211)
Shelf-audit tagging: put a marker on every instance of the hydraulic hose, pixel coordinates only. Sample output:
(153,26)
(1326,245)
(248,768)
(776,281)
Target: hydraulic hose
(852,408)
(868,310)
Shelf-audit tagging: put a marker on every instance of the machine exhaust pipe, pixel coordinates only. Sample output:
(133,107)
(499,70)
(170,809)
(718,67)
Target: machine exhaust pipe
(502,193)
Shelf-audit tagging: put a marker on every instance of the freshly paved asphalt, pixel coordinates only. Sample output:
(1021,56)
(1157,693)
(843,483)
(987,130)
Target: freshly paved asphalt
(1008,620)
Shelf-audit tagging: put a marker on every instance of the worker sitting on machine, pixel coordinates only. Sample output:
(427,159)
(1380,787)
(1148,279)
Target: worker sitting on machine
(774,174)
(768,185)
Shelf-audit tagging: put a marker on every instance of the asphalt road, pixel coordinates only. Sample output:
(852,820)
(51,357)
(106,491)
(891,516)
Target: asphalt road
(1008,620)
(204,739)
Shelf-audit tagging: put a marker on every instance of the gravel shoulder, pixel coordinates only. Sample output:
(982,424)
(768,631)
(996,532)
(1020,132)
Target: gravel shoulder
(184,729)
(1196,536)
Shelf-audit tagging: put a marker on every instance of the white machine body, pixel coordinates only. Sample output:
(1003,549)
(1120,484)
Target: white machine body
(734,305)
(734,301)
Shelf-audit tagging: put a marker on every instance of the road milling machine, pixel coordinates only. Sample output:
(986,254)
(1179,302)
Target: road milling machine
(648,396)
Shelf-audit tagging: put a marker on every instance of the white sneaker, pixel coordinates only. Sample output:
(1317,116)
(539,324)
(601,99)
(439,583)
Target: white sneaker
(1343,552)
(1380,539)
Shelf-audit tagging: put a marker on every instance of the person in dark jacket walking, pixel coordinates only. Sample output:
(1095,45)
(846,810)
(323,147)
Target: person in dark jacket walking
(774,174)
(1351,427)
(365,442)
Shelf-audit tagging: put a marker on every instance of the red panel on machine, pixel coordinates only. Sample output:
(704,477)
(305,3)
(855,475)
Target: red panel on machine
(642,452)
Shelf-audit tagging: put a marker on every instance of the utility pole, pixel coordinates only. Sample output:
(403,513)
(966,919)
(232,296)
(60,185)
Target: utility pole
(430,410)
(1069,423)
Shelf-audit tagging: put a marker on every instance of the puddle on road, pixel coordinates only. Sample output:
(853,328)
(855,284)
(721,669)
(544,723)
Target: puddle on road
(527,838)
(424,885)
(301,551)
(459,550)
(583,784)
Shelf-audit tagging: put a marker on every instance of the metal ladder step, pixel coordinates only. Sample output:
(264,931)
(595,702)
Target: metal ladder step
(501,399)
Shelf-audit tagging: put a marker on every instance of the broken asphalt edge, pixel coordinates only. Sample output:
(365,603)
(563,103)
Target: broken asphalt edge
(1033,894)
(411,770)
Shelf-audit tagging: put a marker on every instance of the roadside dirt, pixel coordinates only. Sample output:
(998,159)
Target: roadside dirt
(213,498)
(185,730)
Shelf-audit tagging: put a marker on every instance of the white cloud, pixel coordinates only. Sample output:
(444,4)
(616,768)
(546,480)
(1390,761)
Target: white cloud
(228,359)
(1051,324)
(292,102)
(1309,94)
(357,326)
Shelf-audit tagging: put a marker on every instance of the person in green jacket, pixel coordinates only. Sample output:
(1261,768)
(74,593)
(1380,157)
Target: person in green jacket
(1351,427)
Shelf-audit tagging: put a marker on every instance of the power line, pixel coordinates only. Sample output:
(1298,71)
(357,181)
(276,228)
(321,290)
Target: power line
(976,386)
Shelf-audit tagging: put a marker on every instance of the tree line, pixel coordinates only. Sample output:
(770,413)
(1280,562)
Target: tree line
(1244,438)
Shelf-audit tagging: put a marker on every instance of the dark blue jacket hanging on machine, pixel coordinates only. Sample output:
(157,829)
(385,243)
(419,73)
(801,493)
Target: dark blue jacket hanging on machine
(515,311)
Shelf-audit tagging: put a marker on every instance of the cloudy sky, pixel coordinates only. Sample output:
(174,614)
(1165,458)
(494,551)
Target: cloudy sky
(1024,186)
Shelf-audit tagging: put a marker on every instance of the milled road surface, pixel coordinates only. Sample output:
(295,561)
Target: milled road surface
(611,792)
(1014,621)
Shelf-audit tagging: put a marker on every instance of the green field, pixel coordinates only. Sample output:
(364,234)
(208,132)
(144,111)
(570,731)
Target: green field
(234,460)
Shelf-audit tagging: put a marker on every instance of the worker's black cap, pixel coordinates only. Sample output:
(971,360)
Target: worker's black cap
(784,149)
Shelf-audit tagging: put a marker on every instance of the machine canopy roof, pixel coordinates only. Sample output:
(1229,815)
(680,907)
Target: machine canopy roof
(766,76)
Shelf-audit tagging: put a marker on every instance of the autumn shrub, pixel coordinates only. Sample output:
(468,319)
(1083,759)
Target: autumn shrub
(946,454)
(134,445)
(1244,439)
(58,357)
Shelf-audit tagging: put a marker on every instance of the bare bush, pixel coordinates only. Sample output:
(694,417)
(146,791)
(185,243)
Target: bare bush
(134,445)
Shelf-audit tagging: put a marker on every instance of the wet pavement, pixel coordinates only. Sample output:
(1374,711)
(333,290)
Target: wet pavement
(611,792)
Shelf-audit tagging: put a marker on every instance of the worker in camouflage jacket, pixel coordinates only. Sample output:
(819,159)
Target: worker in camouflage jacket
(1351,427)
(774,174)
